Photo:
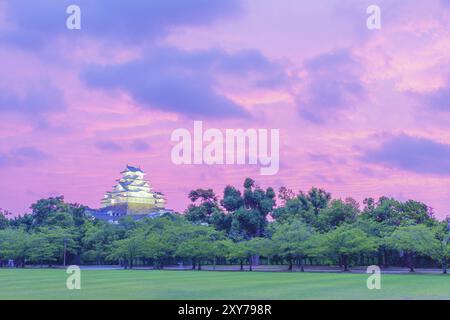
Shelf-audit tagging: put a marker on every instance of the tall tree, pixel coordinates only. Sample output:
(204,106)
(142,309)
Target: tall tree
(379,231)
(200,245)
(258,246)
(412,240)
(345,242)
(385,210)
(238,251)
(15,244)
(305,206)
(49,244)
(205,209)
(291,241)
(441,250)
(317,198)
(250,220)
(337,213)
(97,240)
(128,249)
(56,212)
(4,221)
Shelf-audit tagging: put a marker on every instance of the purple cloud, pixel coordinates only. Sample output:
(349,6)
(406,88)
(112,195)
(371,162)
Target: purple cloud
(132,21)
(332,86)
(22,156)
(108,146)
(183,82)
(438,99)
(140,145)
(35,100)
(414,154)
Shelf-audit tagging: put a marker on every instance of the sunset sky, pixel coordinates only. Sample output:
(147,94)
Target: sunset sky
(361,113)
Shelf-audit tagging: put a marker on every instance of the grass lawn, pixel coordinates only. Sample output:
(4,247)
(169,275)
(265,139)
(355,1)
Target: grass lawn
(172,285)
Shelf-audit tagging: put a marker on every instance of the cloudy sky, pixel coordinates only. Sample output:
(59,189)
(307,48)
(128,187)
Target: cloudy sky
(361,112)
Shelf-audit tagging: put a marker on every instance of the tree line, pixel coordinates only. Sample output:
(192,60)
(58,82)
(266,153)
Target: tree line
(243,227)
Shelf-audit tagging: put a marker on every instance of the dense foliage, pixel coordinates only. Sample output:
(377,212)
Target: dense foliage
(243,227)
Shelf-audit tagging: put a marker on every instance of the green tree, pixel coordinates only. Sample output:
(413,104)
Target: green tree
(304,206)
(379,231)
(4,221)
(396,213)
(317,198)
(346,242)
(245,250)
(441,245)
(200,246)
(257,247)
(97,240)
(15,245)
(158,247)
(337,213)
(128,249)
(292,243)
(250,220)
(385,210)
(415,212)
(48,244)
(24,222)
(285,194)
(232,199)
(412,240)
(208,210)
(56,212)
(221,249)
(238,251)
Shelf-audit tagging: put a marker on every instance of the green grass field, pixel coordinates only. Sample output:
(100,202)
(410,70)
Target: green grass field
(171,285)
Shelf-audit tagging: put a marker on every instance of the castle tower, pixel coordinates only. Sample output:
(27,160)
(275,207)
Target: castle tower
(133,193)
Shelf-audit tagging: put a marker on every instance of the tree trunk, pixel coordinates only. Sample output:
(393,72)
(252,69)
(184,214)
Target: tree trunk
(242,265)
(290,264)
(193,264)
(199,265)
(302,269)
(444,266)
(385,255)
(380,257)
(345,262)
(410,258)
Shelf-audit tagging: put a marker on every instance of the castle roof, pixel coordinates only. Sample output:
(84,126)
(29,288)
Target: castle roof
(132,169)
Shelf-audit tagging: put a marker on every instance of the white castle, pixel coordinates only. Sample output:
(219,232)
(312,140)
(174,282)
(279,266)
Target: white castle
(134,192)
